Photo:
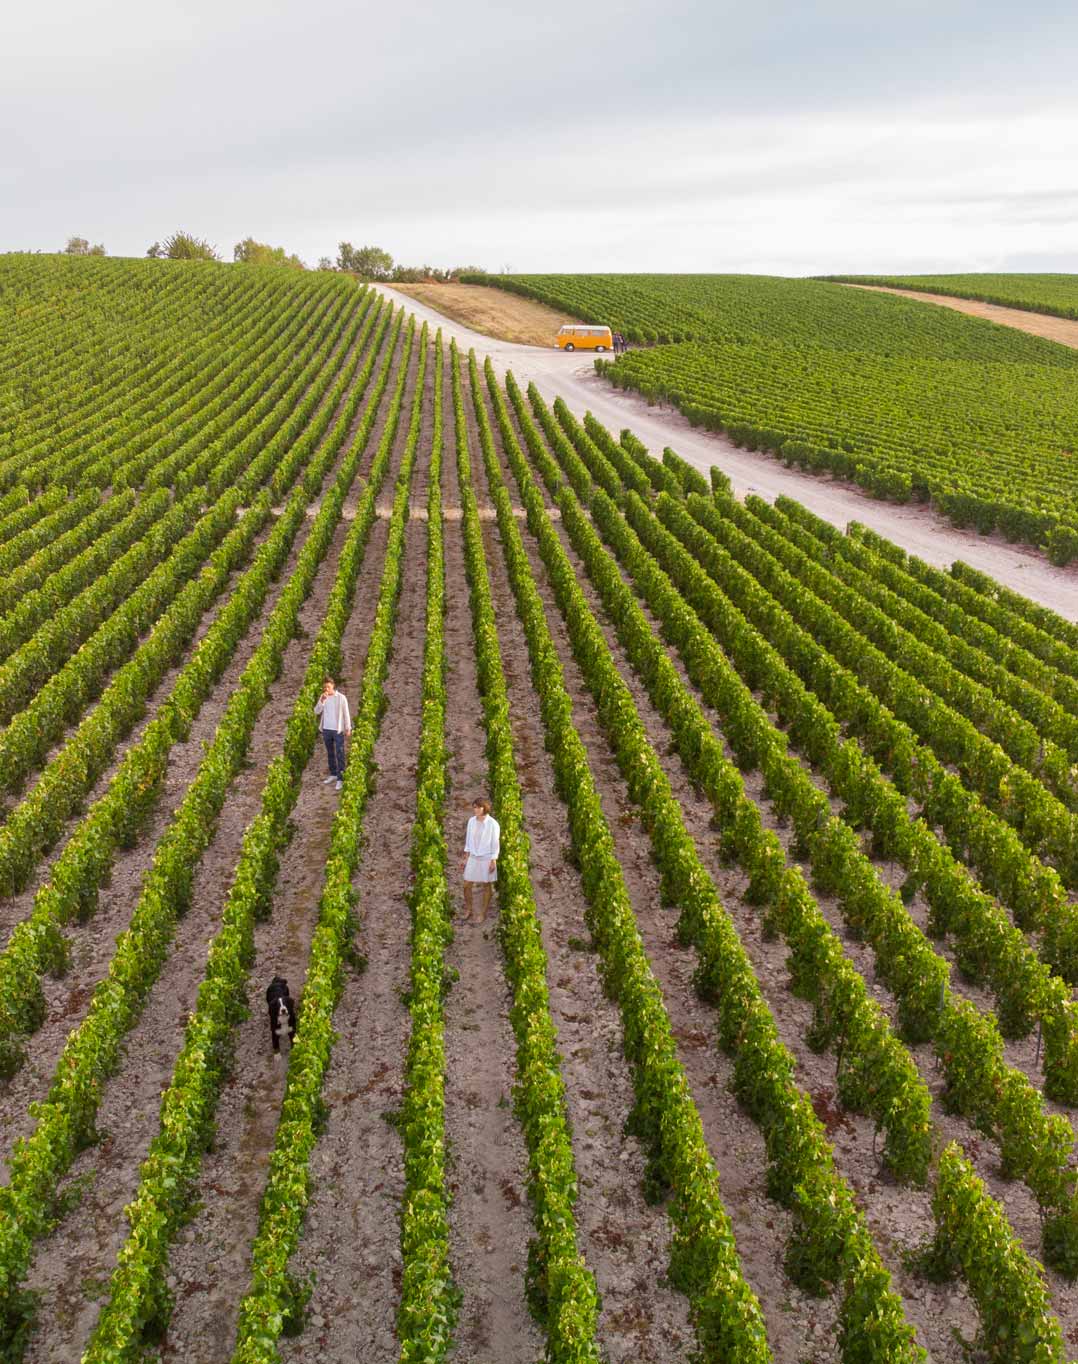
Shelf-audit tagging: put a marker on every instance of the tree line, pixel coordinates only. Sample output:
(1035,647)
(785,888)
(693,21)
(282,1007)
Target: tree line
(365,262)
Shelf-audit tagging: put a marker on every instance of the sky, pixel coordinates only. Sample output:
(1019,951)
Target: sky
(785,136)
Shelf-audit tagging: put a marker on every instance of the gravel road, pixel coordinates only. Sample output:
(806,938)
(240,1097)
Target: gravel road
(916,528)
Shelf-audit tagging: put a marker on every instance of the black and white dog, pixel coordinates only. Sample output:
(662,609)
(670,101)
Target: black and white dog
(282,1010)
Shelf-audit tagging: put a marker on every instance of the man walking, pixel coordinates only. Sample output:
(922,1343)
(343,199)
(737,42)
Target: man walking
(335,723)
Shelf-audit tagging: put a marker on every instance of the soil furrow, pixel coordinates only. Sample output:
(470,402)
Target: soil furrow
(210,1265)
(795,1321)
(624,1239)
(351,1240)
(490,1218)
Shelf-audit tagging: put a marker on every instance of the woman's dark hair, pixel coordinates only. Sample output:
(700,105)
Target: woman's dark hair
(482,800)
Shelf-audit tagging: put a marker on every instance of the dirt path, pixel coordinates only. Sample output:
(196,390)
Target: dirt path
(1061,329)
(490,1219)
(494,312)
(351,1237)
(917,529)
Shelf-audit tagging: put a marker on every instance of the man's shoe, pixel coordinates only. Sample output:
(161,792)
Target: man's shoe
(339,783)
(327,780)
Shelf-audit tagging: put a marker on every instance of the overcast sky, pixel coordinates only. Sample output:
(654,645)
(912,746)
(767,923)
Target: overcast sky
(781,136)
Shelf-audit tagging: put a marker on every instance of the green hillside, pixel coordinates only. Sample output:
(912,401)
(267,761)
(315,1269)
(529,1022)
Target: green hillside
(908,401)
(1056,294)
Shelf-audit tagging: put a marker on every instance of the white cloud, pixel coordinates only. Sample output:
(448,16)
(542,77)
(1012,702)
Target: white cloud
(704,137)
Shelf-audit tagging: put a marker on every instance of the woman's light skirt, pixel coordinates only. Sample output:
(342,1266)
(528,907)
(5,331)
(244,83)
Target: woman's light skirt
(478,869)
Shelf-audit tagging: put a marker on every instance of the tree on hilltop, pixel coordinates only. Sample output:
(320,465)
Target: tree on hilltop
(369,262)
(250,252)
(183,246)
(79,246)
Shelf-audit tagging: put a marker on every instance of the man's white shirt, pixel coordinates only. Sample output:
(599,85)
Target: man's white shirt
(334,712)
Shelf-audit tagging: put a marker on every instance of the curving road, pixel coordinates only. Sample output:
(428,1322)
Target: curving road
(917,529)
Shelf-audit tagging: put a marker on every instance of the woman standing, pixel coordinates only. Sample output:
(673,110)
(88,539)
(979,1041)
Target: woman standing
(482,843)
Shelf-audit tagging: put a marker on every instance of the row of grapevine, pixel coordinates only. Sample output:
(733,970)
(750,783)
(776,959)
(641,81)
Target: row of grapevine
(275,1296)
(429,1298)
(65,1121)
(47,517)
(89,320)
(1037,1145)
(1025,623)
(831,1242)
(102,421)
(1032,726)
(1053,294)
(221,449)
(561,1288)
(139,1303)
(41,694)
(1018,1312)
(116,817)
(1044,825)
(262,371)
(180,400)
(914,662)
(13,506)
(977,643)
(71,373)
(47,576)
(117,418)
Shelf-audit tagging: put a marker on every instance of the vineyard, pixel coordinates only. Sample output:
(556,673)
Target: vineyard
(1054,294)
(770,1051)
(912,403)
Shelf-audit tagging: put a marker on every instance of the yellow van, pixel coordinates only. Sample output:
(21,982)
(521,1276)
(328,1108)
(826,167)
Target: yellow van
(584,338)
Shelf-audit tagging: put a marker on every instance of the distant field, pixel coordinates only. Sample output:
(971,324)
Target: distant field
(908,401)
(1057,294)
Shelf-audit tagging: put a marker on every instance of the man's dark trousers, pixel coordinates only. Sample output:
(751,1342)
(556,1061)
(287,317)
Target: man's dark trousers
(334,752)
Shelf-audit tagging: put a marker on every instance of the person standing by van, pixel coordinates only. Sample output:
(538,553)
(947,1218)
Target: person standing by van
(335,723)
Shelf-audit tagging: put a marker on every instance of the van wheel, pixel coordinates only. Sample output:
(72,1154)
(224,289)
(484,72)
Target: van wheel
(600,348)
(569,346)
